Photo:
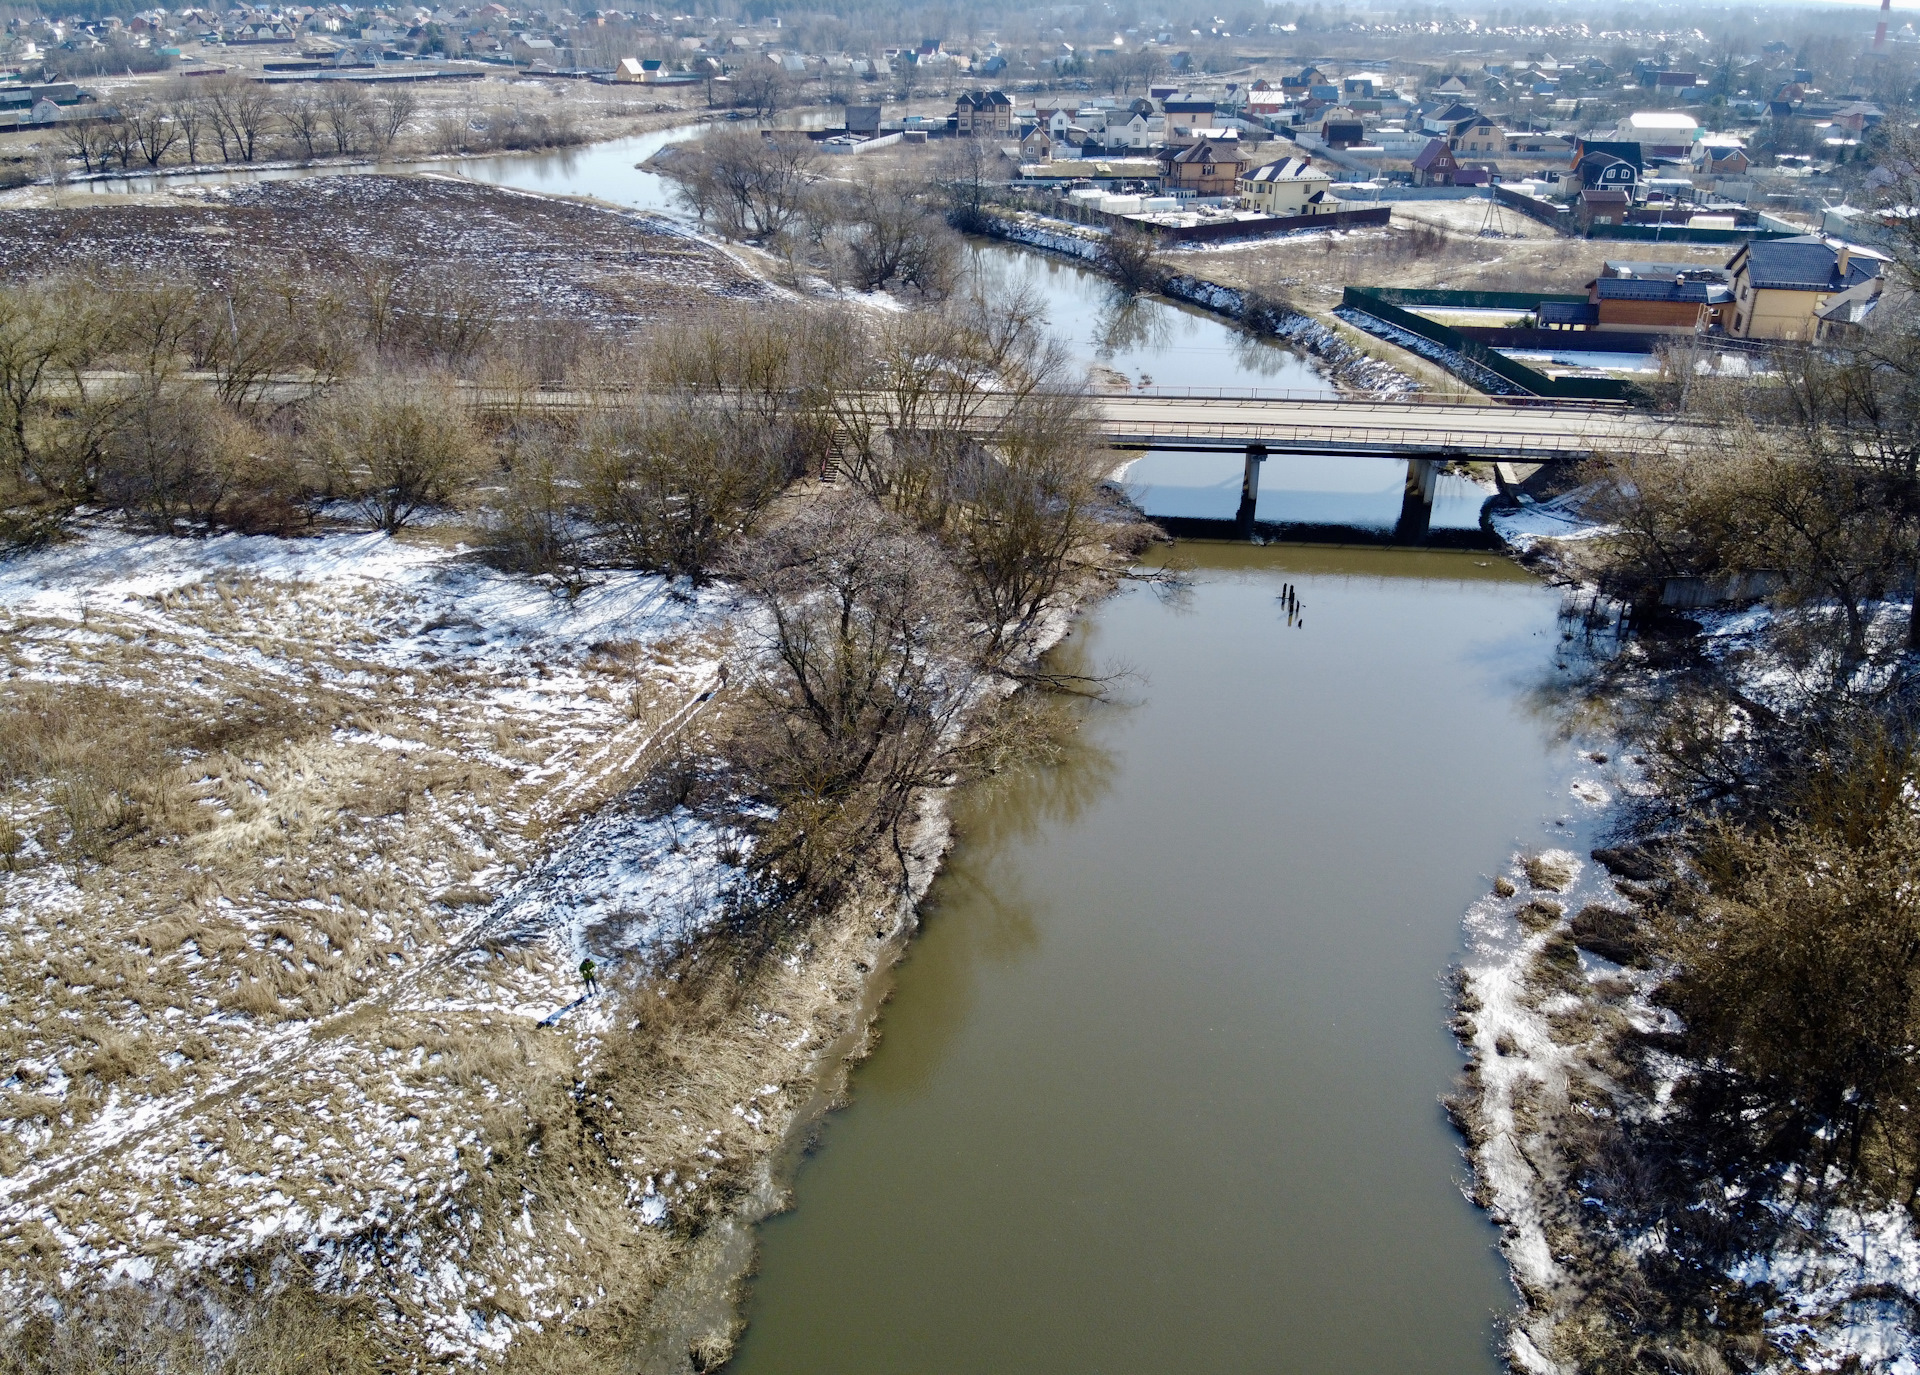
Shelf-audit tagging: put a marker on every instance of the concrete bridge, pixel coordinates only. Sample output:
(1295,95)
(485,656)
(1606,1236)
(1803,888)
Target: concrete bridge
(1481,429)
(1426,433)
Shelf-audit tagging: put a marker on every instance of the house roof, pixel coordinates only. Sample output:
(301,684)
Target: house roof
(1288,169)
(1852,306)
(1628,267)
(1206,150)
(1625,150)
(1568,313)
(1677,289)
(1806,263)
(1435,152)
(1660,121)
(1599,197)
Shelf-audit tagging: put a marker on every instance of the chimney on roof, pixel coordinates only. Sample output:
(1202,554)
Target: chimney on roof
(1844,260)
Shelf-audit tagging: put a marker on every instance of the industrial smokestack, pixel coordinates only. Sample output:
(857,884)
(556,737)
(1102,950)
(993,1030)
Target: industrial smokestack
(1880,33)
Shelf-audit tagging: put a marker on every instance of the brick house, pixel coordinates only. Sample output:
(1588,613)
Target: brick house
(1208,168)
(986,113)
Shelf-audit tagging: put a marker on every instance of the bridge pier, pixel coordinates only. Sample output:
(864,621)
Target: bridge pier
(1250,486)
(1416,503)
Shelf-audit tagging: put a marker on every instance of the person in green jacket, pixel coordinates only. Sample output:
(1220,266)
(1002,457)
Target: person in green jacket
(587,968)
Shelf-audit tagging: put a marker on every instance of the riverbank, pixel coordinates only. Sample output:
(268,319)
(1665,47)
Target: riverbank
(844,975)
(1574,1064)
(1346,361)
(373,899)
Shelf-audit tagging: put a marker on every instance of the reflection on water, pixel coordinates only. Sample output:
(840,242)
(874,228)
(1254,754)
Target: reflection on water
(1145,337)
(1157,1088)
(1130,324)
(1324,491)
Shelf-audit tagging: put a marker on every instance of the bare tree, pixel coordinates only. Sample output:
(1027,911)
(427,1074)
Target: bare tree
(86,139)
(117,145)
(858,699)
(304,120)
(191,117)
(1027,508)
(762,87)
(891,238)
(244,113)
(389,118)
(1132,258)
(345,109)
(966,173)
(152,130)
(748,185)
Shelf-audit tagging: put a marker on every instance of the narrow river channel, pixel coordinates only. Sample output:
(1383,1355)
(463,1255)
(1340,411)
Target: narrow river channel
(1158,1082)
(1157,1087)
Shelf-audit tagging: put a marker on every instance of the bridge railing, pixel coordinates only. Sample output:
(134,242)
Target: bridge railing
(1376,398)
(1381,439)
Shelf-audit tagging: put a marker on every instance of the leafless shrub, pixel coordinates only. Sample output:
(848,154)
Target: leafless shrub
(174,454)
(395,449)
(672,482)
(533,521)
(1132,259)
(866,674)
(447,322)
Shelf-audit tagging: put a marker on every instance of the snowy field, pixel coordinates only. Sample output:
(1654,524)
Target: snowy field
(304,841)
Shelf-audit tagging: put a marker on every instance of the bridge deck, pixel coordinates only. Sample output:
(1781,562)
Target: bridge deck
(1532,433)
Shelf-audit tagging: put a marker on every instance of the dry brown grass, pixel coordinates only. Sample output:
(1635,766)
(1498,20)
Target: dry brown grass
(221,849)
(1425,249)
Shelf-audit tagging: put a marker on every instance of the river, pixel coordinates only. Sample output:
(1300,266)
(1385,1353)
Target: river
(1158,1082)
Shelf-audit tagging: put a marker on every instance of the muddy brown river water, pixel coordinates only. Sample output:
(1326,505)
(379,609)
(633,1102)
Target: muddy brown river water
(1158,1084)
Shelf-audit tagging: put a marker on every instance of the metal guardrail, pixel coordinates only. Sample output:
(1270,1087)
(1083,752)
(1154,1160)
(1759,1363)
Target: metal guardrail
(1374,439)
(1356,398)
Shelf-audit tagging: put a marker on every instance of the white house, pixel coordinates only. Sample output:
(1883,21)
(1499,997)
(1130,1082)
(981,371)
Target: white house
(1291,186)
(1662,133)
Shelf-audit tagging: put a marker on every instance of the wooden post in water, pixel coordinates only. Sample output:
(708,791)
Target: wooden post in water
(1250,486)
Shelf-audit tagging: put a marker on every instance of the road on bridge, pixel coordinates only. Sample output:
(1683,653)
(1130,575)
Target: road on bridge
(1532,433)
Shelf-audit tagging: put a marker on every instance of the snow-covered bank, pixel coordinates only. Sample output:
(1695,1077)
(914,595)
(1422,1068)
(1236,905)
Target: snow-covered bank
(1556,1008)
(328,1002)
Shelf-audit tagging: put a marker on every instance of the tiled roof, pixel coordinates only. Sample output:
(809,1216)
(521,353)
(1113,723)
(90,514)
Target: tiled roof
(1808,263)
(1656,289)
(1288,169)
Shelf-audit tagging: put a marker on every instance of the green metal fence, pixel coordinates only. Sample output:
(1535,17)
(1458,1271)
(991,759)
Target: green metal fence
(1377,302)
(1679,233)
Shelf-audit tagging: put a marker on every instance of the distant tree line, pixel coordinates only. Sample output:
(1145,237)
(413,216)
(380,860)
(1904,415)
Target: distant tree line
(231,119)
